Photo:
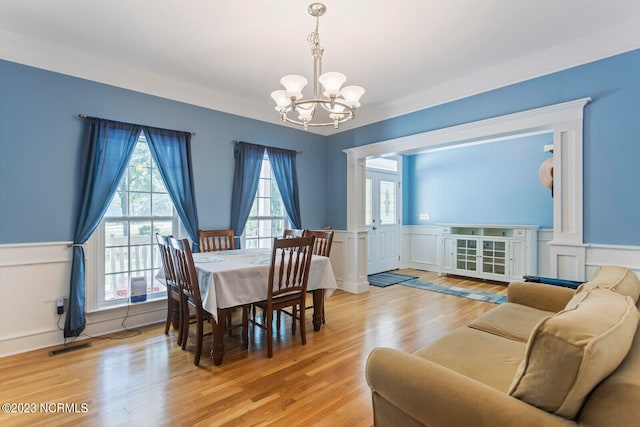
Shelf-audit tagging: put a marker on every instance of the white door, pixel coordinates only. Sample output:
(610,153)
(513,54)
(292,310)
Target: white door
(383,221)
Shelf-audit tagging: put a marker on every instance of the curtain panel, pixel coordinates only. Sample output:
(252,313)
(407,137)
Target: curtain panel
(171,150)
(108,148)
(283,163)
(245,184)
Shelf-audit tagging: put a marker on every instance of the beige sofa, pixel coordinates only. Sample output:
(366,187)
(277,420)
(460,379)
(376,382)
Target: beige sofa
(549,356)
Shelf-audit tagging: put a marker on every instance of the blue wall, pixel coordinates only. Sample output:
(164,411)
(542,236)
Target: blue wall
(492,183)
(40,142)
(611,138)
(40,138)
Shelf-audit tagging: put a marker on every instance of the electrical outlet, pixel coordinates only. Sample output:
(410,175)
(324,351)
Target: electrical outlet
(424,217)
(60,305)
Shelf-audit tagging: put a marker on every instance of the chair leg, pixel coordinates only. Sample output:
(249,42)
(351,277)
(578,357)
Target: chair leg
(303,331)
(169,314)
(278,320)
(269,327)
(185,325)
(245,326)
(200,333)
(294,315)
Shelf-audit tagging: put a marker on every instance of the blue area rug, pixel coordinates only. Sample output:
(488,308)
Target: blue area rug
(456,291)
(383,280)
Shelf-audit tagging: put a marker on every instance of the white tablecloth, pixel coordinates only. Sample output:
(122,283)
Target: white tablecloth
(232,278)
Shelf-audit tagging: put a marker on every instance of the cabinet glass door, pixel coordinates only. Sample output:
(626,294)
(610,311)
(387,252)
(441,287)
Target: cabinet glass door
(466,254)
(494,257)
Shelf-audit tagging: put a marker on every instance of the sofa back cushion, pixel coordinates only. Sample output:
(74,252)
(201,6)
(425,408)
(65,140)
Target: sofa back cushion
(569,353)
(618,279)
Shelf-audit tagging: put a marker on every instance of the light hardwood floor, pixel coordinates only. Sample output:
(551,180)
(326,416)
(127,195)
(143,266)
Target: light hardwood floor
(147,380)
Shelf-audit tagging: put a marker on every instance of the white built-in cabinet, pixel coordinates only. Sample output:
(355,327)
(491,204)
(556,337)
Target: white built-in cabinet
(495,252)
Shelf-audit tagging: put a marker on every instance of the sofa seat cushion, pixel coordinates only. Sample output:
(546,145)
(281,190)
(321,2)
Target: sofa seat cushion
(487,358)
(569,353)
(512,321)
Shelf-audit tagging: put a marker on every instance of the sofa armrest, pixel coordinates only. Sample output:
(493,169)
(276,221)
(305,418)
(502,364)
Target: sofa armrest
(436,396)
(539,295)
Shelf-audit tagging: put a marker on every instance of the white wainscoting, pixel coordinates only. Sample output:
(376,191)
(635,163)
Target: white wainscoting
(32,276)
(420,251)
(420,247)
(349,260)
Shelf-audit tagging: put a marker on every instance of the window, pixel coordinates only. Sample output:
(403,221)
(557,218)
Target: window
(126,247)
(387,202)
(267,218)
(368,203)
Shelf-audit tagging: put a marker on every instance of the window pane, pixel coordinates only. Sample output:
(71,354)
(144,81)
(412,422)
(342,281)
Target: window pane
(116,286)
(252,243)
(265,243)
(141,233)
(139,178)
(251,229)
(118,205)
(161,205)
(162,227)
(254,208)
(387,202)
(157,184)
(265,172)
(265,188)
(264,207)
(265,228)
(141,257)
(140,204)
(277,228)
(115,233)
(116,259)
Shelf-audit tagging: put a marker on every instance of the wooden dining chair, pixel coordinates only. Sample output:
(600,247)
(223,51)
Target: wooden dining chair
(322,246)
(216,240)
(219,240)
(187,279)
(174,295)
(287,285)
(292,232)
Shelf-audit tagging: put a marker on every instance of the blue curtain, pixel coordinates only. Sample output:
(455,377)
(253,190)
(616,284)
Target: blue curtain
(171,150)
(245,184)
(108,147)
(283,163)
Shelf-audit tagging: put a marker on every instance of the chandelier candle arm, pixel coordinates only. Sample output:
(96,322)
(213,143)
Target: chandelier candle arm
(339,104)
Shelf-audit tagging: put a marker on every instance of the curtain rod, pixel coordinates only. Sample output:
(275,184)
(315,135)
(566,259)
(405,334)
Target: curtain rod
(236,142)
(84,116)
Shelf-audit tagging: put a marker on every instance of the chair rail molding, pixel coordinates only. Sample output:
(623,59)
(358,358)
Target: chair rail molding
(564,120)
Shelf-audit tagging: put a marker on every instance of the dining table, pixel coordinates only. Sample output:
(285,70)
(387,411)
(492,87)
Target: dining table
(239,277)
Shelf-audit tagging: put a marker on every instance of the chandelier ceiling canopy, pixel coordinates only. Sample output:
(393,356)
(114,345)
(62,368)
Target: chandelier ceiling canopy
(336,105)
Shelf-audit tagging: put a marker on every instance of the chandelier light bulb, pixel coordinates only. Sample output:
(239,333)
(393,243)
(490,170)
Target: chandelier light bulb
(294,85)
(332,82)
(281,99)
(351,95)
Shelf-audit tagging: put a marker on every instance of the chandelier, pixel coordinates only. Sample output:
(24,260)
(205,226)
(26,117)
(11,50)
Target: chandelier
(334,107)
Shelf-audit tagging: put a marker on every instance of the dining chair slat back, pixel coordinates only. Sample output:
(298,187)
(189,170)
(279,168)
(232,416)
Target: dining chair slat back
(324,239)
(216,240)
(292,232)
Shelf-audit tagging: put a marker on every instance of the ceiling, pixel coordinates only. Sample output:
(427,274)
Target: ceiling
(230,55)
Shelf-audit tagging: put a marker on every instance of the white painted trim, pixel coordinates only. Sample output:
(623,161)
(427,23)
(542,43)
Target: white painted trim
(565,120)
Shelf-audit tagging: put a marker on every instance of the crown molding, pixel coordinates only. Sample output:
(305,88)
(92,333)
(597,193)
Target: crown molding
(55,58)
